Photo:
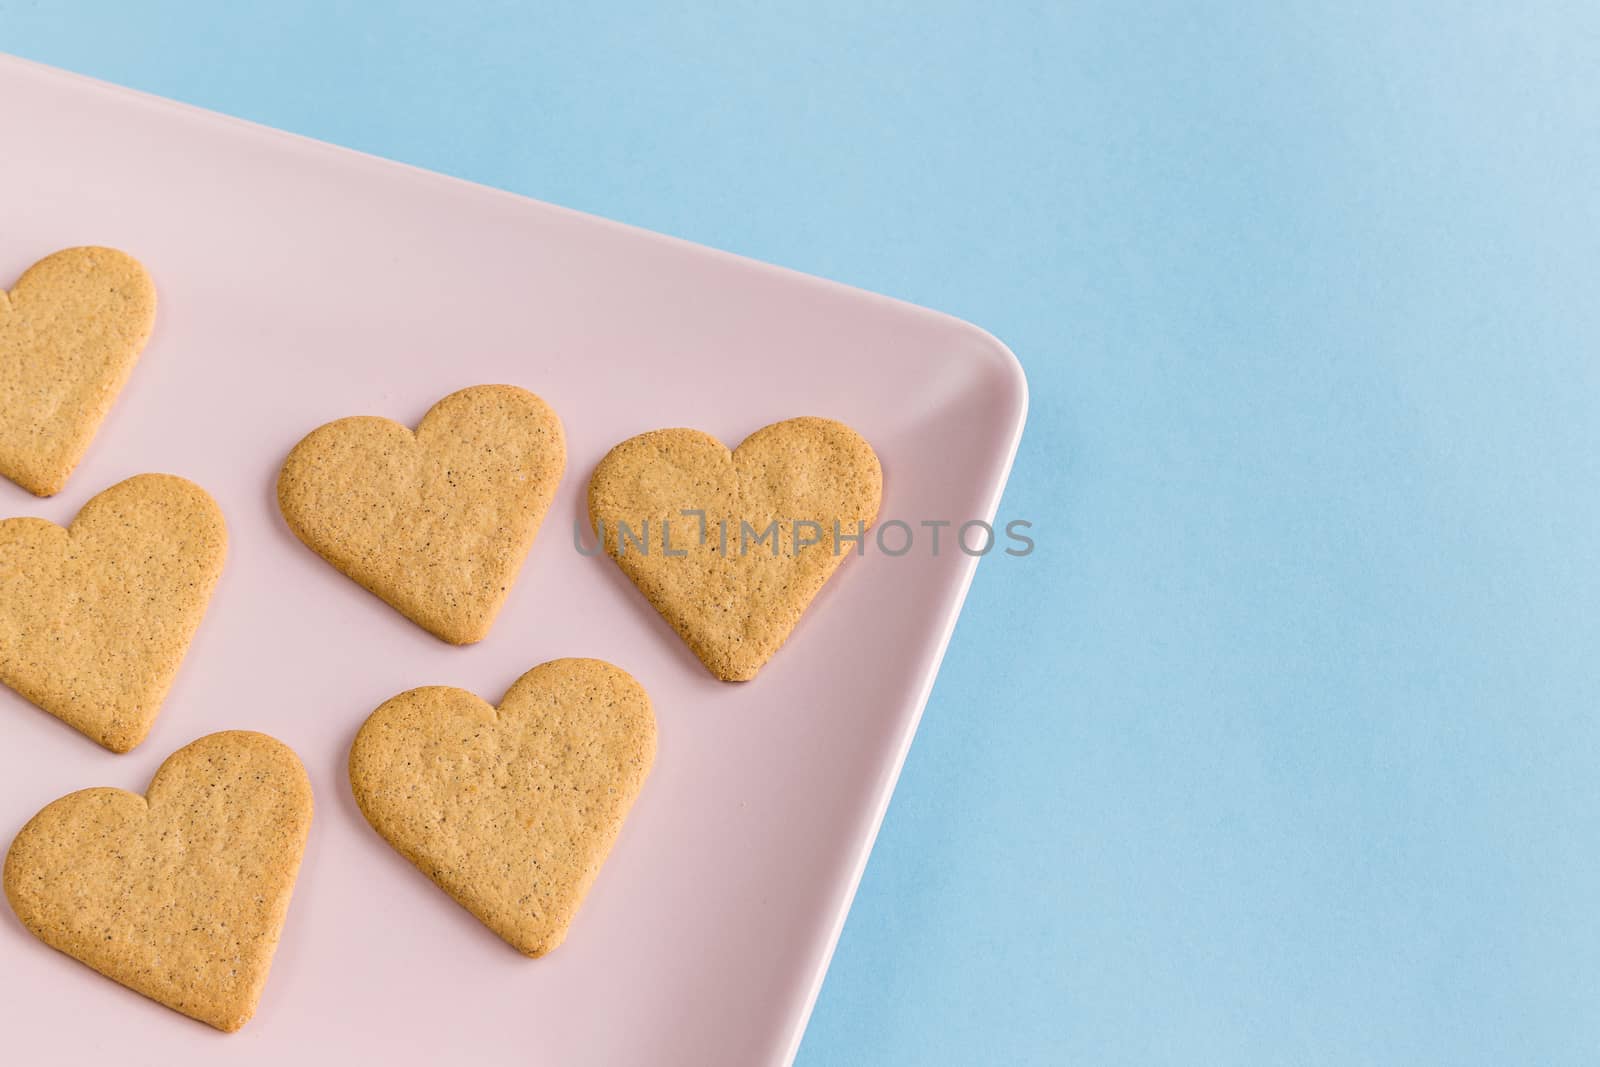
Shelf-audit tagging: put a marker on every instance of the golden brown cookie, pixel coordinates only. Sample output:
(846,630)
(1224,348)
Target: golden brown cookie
(732,583)
(510,810)
(179,894)
(95,618)
(70,333)
(438,522)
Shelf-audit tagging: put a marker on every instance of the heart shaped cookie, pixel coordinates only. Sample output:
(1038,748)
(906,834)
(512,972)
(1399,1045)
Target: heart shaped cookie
(438,522)
(179,894)
(731,547)
(95,618)
(70,333)
(511,811)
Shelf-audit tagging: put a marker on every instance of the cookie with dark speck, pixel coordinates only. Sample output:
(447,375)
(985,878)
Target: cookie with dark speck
(731,593)
(70,332)
(179,894)
(512,810)
(95,618)
(437,522)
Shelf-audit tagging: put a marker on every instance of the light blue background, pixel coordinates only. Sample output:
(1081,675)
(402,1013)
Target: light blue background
(1283,747)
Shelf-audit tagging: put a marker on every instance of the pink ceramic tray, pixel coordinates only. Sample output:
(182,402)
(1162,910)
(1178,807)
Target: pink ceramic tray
(300,283)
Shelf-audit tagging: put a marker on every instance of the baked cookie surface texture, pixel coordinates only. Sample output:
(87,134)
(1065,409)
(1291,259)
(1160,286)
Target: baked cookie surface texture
(511,810)
(179,894)
(71,330)
(731,546)
(95,618)
(437,522)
